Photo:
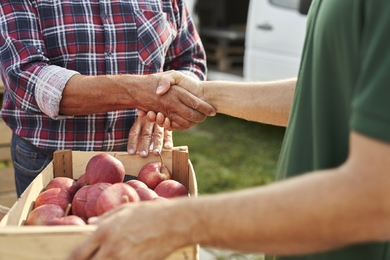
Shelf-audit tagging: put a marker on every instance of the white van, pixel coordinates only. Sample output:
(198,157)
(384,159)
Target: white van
(274,39)
(274,35)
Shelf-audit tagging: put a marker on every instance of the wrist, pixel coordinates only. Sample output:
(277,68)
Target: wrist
(207,88)
(137,90)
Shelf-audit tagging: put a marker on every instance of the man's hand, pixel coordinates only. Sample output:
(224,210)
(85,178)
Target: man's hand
(171,81)
(182,107)
(145,135)
(131,231)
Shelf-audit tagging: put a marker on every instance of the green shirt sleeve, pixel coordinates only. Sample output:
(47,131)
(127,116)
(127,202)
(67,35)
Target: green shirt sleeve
(371,102)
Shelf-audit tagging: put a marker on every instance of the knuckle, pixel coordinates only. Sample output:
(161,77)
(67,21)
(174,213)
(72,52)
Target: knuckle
(195,104)
(195,116)
(158,135)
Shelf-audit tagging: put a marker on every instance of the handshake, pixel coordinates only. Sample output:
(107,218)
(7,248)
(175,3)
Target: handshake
(182,102)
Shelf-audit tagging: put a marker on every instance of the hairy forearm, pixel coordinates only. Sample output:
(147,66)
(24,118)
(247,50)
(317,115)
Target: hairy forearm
(99,94)
(309,214)
(265,102)
(314,212)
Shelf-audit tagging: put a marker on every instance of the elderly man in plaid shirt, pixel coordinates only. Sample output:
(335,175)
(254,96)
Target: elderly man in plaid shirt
(75,73)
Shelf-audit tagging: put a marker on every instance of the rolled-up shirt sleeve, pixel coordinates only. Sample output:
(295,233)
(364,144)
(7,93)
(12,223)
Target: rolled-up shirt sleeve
(33,83)
(49,87)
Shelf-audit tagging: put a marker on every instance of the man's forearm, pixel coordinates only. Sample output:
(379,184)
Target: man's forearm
(310,214)
(265,102)
(99,94)
(314,212)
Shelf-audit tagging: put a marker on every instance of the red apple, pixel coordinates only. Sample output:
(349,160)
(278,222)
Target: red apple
(81,180)
(65,183)
(170,189)
(79,201)
(104,167)
(152,173)
(115,195)
(136,184)
(93,193)
(43,214)
(67,220)
(56,196)
(159,198)
(146,193)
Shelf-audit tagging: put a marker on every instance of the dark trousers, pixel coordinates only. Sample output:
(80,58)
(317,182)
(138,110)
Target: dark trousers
(28,162)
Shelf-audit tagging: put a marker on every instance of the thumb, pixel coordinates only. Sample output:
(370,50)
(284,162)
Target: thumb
(163,87)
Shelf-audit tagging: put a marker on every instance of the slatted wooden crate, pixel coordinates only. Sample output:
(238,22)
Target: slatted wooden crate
(224,48)
(56,242)
(7,184)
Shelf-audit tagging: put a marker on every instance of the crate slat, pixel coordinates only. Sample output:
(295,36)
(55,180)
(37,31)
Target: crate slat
(6,134)
(7,182)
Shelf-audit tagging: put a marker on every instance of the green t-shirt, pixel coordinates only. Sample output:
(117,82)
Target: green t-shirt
(343,86)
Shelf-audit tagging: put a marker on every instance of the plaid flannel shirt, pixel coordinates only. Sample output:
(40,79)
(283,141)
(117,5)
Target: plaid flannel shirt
(45,42)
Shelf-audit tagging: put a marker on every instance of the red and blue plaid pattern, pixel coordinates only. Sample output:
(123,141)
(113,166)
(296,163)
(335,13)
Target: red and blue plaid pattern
(45,42)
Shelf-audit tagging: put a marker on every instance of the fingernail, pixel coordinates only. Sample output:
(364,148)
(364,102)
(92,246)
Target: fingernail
(156,151)
(159,89)
(92,220)
(143,153)
(131,151)
(168,145)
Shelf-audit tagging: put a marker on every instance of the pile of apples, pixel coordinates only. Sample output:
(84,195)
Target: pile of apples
(101,188)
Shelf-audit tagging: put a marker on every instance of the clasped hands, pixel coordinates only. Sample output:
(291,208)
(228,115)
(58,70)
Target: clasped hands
(195,109)
(177,104)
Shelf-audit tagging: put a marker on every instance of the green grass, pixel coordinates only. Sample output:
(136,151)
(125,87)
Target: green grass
(230,153)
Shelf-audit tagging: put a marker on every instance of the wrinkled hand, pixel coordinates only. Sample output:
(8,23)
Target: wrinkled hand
(182,107)
(131,231)
(145,135)
(170,83)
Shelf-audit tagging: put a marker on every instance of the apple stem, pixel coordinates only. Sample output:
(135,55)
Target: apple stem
(68,209)
(125,198)
(161,158)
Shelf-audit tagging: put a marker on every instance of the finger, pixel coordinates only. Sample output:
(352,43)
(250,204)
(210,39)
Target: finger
(164,84)
(87,248)
(167,124)
(158,139)
(176,126)
(146,138)
(168,139)
(160,118)
(182,107)
(186,117)
(182,123)
(107,251)
(134,134)
(162,89)
(151,116)
(198,104)
(141,113)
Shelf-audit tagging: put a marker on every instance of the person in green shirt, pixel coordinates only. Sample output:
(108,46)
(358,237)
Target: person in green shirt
(332,199)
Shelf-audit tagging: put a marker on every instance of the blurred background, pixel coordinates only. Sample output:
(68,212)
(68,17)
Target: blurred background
(245,40)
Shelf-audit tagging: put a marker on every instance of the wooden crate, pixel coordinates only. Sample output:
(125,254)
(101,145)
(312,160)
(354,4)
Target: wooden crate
(5,140)
(7,184)
(1,87)
(56,242)
(224,48)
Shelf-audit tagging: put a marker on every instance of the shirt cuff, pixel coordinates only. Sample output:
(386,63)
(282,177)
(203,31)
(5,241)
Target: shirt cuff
(48,89)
